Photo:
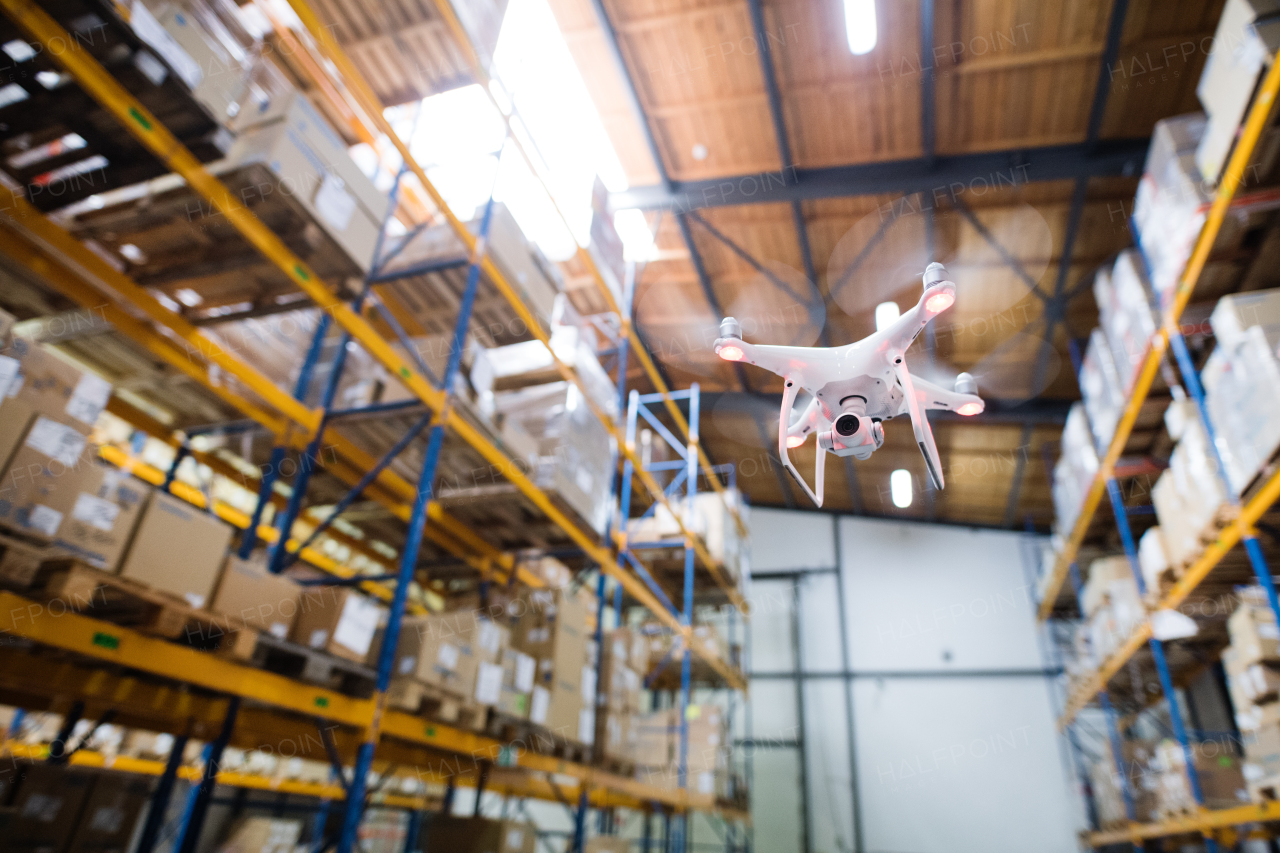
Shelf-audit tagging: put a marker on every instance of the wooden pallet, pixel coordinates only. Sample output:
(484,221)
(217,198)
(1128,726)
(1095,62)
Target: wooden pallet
(266,651)
(427,700)
(72,585)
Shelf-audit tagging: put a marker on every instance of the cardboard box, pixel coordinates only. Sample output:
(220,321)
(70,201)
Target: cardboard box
(518,673)
(447,650)
(552,630)
(262,835)
(49,803)
(452,834)
(1262,751)
(338,620)
(15,419)
(20,560)
(1254,717)
(178,549)
(56,489)
(655,737)
(110,814)
(607,844)
(54,388)
(1254,636)
(249,592)
(1259,683)
(311,162)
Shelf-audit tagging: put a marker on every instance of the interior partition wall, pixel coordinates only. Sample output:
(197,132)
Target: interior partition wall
(900,698)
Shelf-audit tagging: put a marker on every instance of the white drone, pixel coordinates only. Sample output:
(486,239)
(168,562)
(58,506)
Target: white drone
(858,385)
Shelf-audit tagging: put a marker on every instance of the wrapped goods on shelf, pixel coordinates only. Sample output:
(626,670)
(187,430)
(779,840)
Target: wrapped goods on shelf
(709,518)
(1104,634)
(1242,395)
(446,651)
(1108,793)
(258,833)
(1188,496)
(1218,769)
(1100,386)
(1254,637)
(567,448)
(177,549)
(1262,752)
(552,630)
(1172,200)
(620,696)
(1104,575)
(1124,310)
(1075,469)
(453,834)
(518,672)
(1244,45)
(1236,313)
(530,363)
(1153,559)
(251,594)
(337,620)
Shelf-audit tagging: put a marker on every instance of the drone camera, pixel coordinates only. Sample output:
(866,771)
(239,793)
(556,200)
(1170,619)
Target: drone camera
(847,424)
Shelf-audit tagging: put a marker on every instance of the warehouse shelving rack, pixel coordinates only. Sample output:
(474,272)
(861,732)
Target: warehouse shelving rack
(47,253)
(1213,825)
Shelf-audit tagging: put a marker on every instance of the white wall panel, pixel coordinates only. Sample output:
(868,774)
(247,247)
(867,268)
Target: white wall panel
(785,540)
(950,765)
(933,597)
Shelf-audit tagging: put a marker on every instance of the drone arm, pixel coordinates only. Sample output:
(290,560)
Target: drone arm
(933,396)
(789,391)
(920,423)
(939,295)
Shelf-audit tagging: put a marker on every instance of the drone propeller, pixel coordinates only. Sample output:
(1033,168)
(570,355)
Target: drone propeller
(920,423)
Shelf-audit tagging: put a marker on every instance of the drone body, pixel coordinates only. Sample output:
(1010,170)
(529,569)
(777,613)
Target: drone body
(856,387)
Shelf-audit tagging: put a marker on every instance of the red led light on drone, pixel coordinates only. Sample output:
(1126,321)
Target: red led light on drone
(970,409)
(795,440)
(939,302)
(731,353)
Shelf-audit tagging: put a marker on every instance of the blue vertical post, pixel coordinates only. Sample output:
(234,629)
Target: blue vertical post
(267,484)
(686,663)
(198,804)
(415,827)
(1157,647)
(413,543)
(161,796)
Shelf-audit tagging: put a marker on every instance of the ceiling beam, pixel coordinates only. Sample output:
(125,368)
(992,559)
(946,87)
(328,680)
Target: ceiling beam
(928,103)
(949,176)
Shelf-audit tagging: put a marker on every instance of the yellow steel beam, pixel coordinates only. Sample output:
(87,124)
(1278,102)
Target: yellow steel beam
(1228,538)
(372,108)
(1199,823)
(54,624)
(1232,179)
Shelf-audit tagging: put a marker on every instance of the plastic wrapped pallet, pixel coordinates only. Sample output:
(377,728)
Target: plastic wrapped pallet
(1124,310)
(710,519)
(1107,791)
(1153,558)
(1188,495)
(1100,387)
(1172,201)
(1218,769)
(1242,385)
(1104,573)
(1075,469)
(1236,313)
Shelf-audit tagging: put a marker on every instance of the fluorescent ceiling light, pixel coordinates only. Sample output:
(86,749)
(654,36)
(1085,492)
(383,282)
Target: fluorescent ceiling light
(860,25)
(886,313)
(900,488)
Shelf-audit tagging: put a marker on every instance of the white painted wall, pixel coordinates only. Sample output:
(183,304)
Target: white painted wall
(945,764)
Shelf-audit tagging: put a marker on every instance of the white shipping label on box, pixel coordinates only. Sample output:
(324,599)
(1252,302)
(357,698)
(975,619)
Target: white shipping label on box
(319,637)
(490,637)
(279,630)
(589,685)
(334,204)
(357,625)
(57,441)
(525,667)
(45,519)
(488,683)
(407,664)
(158,39)
(587,726)
(95,512)
(538,705)
(89,398)
(1268,631)
(448,656)
(9,370)
(195,599)
(515,838)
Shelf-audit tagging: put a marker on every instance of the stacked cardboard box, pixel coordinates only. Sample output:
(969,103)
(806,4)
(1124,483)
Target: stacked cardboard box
(452,834)
(552,629)
(709,518)
(1189,495)
(337,620)
(1112,606)
(707,758)
(250,594)
(1075,470)
(625,654)
(1244,45)
(1252,664)
(1125,315)
(445,651)
(1108,795)
(1218,770)
(1242,383)
(72,811)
